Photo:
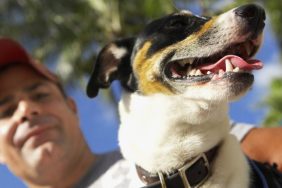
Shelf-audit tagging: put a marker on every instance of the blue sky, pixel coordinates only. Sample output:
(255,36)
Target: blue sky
(100,124)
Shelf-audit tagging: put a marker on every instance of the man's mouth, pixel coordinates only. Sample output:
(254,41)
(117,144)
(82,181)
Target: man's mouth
(35,132)
(37,127)
(234,59)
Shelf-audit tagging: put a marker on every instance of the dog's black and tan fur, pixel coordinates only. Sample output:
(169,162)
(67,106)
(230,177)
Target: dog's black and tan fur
(179,75)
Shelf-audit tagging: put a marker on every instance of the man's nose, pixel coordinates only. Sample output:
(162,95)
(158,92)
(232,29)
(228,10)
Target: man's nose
(27,109)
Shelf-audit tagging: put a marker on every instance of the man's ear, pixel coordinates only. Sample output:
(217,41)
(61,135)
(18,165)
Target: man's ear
(113,63)
(71,103)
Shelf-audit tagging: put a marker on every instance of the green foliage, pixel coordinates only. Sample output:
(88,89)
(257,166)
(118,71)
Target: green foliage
(274,8)
(53,29)
(274,102)
(70,33)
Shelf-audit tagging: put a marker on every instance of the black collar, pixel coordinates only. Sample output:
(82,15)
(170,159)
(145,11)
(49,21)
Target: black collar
(192,174)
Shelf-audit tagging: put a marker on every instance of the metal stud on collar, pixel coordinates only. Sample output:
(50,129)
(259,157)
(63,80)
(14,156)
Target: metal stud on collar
(162,180)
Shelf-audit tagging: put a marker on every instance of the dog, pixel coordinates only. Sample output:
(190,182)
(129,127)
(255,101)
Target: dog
(178,75)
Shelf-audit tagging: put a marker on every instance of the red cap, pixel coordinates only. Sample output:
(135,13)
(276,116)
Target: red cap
(13,52)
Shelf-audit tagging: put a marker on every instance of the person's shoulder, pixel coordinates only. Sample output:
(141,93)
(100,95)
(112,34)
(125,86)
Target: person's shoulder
(111,156)
(109,167)
(115,161)
(240,130)
(118,173)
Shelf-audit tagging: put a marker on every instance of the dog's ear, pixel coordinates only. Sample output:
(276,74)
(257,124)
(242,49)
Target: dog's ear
(113,63)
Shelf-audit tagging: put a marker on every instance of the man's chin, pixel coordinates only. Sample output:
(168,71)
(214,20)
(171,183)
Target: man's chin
(43,155)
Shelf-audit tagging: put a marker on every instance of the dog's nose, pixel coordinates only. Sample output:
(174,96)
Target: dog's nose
(251,12)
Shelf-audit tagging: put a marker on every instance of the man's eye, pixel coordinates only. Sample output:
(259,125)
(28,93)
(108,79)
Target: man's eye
(41,96)
(7,113)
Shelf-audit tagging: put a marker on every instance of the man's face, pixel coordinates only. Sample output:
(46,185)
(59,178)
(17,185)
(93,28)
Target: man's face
(39,127)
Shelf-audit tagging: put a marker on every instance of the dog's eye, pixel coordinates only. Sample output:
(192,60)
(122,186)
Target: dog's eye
(176,24)
(179,23)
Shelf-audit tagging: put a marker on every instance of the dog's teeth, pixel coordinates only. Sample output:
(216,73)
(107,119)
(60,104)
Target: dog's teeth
(248,49)
(182,63)
(198,73)
(192,72)
(237,69)
(209,72)
(191,61)
(189,70)
(220,72)
(228,66)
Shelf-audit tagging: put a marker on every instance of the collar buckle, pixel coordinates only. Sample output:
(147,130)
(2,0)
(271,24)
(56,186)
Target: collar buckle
(184,171)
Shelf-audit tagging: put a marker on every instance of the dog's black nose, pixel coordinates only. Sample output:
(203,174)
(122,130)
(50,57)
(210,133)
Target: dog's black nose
(251,12)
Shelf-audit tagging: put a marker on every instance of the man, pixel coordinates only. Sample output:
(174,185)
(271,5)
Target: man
(40,138)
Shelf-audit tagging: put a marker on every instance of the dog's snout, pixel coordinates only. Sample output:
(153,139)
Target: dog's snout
(251,12)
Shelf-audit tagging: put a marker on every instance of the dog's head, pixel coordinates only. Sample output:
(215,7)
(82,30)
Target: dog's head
(183,53)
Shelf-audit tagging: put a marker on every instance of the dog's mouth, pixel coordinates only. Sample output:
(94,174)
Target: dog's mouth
(235,59)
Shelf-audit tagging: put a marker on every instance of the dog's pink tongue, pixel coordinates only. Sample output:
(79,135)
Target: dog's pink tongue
(236,61)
